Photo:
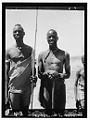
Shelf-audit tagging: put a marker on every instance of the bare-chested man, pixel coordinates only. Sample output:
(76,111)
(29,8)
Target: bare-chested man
(51,65)
(19,73)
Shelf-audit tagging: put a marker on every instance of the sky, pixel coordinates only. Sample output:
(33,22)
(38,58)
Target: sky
(69,25)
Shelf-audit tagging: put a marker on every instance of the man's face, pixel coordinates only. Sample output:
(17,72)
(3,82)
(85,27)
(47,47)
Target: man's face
(52,37)
(18,33)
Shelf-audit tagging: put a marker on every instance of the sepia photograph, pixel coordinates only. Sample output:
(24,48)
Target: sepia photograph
(45,60)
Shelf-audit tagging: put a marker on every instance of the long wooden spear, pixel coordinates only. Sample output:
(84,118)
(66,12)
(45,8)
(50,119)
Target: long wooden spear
(33,60)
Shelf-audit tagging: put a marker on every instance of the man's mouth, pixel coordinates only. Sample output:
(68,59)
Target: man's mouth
(17,36)
(51,42)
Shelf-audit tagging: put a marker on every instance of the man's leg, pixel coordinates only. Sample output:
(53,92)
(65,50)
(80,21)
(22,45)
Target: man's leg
(15,101)
(60,98)
(26,100)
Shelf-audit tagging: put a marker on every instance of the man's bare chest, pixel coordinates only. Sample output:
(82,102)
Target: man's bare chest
(54,59)
(18,55)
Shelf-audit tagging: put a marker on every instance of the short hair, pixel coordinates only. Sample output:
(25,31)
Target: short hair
(52,31)
(19,26)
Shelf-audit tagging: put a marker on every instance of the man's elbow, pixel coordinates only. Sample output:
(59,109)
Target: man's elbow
(68,75)
(68,72)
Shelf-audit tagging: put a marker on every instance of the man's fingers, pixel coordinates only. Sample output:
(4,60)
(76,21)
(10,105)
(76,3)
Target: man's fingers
(33,79)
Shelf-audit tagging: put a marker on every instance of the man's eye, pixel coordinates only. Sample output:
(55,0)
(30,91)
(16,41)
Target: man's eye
(19,31)
(51,37)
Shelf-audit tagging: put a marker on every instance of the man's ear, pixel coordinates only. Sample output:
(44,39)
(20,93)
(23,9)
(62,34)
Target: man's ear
(57,38)
(23,33)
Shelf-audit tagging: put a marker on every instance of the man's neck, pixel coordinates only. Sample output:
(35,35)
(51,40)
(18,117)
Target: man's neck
(53,48)
(19,44)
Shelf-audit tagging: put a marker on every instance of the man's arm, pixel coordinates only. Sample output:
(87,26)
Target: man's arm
(75,85)
(40,67)
(66,75)
(33,77)
(7,64)
(7,68)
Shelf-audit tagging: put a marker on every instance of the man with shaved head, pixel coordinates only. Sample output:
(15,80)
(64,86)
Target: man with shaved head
(51,65)
(19,73)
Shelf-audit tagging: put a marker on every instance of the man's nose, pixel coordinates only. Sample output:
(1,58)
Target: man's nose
(17,32)
(51,38)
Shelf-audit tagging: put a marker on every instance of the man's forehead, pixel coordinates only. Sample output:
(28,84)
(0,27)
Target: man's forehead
(17,27)
(52,32)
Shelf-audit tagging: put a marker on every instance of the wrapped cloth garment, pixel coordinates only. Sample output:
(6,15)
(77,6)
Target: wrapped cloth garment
(59,94)
(19,76)
(20,85)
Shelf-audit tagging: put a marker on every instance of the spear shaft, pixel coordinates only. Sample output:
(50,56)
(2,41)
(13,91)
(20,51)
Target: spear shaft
(33,60)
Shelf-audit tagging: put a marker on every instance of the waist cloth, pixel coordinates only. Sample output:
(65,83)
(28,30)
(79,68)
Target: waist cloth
(19,76)
(59,94)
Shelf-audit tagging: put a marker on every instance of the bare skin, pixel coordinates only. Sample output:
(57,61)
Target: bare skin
(19,51)
(15,55)
(51,64)
(54,60)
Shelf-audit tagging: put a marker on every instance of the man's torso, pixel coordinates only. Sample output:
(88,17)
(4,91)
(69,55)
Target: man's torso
(53,61)
(17,55)
(20,68)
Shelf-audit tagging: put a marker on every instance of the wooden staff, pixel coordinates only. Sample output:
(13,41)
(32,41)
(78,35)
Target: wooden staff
(33,60)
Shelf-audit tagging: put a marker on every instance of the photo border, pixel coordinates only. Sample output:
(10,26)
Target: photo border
(47,6)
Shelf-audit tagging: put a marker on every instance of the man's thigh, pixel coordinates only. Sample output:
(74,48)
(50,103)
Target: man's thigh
(15,99)
(26,96)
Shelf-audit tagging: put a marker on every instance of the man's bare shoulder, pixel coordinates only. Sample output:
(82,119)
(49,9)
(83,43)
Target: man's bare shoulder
(27,50)
(8,50)
(80,71)
(61,51)
(66,53)
(28,47)
(42,54)
(8,53)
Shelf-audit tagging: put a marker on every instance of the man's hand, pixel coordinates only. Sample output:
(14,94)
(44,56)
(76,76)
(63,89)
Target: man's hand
(52,74)
(45,75)
(55,75)
(61,75)
(78,105)
(33,79)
